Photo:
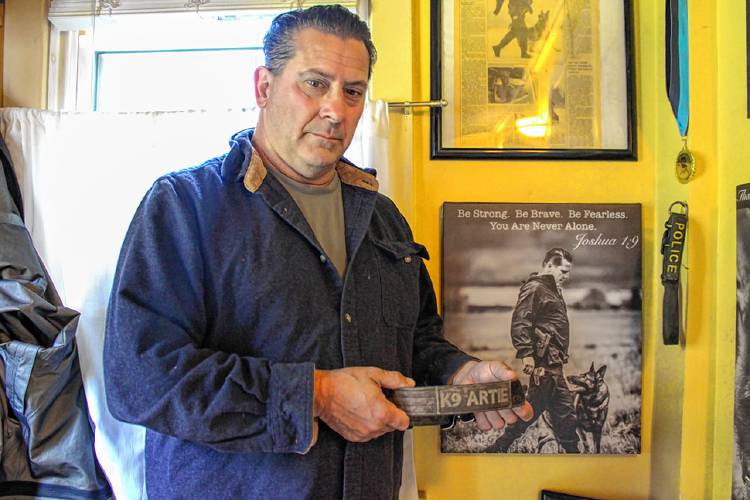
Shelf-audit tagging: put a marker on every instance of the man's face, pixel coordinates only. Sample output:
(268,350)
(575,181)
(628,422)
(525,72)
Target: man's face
(310,110)
(560,272)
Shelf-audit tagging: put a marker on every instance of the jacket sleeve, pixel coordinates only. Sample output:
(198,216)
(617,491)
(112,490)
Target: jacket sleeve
(522,322)
(435,358)
(158,374)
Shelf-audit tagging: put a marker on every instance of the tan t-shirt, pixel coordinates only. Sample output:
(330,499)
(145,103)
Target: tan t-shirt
(323,209)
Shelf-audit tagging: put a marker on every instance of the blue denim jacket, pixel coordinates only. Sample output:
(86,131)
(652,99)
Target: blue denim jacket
(223,304)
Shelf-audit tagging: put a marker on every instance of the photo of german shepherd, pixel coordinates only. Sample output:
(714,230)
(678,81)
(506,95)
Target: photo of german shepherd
(596,408)
(591,404)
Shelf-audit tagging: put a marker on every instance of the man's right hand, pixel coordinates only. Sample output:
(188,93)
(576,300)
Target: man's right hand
(351,402)
(528,365)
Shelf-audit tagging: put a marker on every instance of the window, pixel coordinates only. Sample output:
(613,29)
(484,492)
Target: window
(160,55)
(178,61)
(175,80)
(157,56)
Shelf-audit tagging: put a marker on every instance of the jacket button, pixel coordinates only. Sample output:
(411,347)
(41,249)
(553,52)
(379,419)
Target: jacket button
(348,317)
(323,258)
(407,259)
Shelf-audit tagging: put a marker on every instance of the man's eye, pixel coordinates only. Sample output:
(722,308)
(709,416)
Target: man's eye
(354,92)
(315,83)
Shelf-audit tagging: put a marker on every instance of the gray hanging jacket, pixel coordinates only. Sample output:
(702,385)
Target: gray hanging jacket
(47,443)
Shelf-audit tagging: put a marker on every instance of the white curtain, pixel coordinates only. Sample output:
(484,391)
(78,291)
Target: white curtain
(408,489)
(373,149)
(82,176)
(375,130)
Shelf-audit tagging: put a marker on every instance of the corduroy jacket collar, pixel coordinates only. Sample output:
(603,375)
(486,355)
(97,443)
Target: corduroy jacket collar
(243,162)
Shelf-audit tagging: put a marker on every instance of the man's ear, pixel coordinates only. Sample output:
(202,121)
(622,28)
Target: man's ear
(262,79)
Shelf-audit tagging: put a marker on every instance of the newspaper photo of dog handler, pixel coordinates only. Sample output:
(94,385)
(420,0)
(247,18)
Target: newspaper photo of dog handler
(555,290)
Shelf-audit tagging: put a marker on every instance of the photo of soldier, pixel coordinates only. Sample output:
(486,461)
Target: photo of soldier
(540,333)
(518,29)
(555,289)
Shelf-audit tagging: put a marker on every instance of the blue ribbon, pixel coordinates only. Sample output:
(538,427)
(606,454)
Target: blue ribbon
(678,69)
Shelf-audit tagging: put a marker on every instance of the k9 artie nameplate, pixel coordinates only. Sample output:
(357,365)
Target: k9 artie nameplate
(432,405)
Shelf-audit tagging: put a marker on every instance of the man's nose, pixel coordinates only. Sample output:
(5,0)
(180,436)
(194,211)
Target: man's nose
(333,105)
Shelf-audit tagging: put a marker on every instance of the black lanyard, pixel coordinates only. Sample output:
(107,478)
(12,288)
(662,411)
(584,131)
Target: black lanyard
(672,246)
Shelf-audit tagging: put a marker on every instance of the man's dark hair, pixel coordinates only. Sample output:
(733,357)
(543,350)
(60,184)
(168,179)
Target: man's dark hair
(556,256)
(279,46)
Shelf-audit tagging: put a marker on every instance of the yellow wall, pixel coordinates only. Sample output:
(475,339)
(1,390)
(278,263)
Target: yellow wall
(697,472)
(681,457)
(733,153)
(25,53)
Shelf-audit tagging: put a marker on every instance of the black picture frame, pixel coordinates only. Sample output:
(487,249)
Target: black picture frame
(439,151)
(553,495)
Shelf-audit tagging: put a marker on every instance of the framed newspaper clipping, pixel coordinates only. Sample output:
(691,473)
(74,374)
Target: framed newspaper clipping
(554,290)
(533,79)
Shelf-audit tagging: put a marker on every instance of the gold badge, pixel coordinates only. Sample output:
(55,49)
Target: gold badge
(685,164)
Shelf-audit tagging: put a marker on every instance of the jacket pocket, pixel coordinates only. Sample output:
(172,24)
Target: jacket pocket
(399,264)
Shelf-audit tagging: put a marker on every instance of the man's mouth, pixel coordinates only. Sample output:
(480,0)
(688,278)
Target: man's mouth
(327,137)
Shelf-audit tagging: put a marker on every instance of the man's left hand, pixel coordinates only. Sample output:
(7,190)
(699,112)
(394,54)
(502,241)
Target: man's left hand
(477,372)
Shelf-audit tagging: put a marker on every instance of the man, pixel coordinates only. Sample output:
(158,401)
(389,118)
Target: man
(541,335)
(265,299)
(498,6)
(517,9)
(507,89)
